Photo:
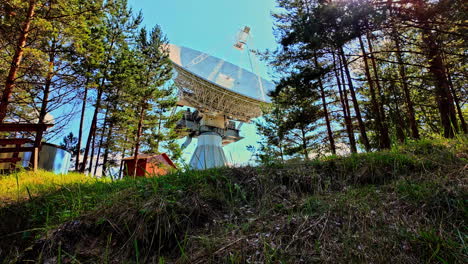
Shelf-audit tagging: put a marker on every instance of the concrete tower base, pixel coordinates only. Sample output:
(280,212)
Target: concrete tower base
(209,152)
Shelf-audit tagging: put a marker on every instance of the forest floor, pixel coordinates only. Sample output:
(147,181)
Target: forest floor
(407,205)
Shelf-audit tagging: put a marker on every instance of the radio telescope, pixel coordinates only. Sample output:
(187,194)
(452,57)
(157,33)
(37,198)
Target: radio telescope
(224,96)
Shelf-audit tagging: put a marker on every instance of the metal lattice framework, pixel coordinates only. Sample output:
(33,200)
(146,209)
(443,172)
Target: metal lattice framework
(211,98)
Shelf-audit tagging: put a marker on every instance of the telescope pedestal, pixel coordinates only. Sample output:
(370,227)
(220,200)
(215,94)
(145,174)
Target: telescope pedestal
(209,152)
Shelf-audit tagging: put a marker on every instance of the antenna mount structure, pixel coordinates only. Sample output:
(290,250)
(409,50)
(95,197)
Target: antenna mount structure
(222,95)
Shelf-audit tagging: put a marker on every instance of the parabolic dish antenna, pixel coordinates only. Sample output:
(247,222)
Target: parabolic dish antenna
(222,93)
(213,85)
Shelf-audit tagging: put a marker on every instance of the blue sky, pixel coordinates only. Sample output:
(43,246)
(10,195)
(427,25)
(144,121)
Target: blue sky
(211,26)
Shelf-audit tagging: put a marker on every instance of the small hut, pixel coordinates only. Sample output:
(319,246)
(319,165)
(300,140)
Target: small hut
(149,165)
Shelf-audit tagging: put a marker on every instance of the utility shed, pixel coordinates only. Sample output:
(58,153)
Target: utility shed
(148,165)
(51,158)
(54,158)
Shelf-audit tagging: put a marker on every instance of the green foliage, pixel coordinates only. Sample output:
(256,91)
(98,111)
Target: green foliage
(91,52)
(159,121)
(393,60)
(69,143)
(271,148)
(287,128)
(46,79)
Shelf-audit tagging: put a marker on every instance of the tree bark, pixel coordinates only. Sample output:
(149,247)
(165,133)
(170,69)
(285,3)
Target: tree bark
(438,70)
(457,103)
(346,111)
(92,129)
(362,128)
(46,91)
(331,140)
(111,122)
(137,141)
(47,85)
(399,124)
(80,131)
(374,103)
(158,133)
(442,90)
(304,143)
(384,137)
(101,141)
(121,164)
(280,138)
(426,116)
(404,81)
(106,150)
(124,150)
(16,61)
(93,144)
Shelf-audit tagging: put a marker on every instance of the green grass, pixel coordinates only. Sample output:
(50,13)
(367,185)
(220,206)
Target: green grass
(404,205)
(26,184)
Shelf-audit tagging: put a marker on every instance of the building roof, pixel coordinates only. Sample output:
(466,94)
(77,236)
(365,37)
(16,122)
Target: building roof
(160,157)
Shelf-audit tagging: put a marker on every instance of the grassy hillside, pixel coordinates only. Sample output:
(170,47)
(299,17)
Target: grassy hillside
(408,205)
(27,184)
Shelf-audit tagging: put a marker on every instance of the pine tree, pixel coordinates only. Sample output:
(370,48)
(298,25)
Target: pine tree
(156,96)
(119,26)
(17,58)
(271,145)
(295,95)
(395,60)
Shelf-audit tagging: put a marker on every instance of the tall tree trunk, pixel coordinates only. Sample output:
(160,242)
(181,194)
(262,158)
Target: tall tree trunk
(457,103)
(111,122)
(91,158)
(346,110)
(427,116)
(158,133)
(331,140)
(106,149)
(385,139)
(438,71)
(119,176)
(137,141)
(45,96)
(124,150)
(46,91)
(399,124)
(80,131)
(455,98)
(16,61)
(92,129)
(280,144)
(442,90)
(374,103)
(406,91)
(101,141)
(362,128)
(304,143)
(47,85)
(399,129)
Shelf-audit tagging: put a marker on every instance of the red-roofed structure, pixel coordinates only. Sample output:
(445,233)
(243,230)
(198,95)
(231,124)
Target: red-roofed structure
(149,165)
